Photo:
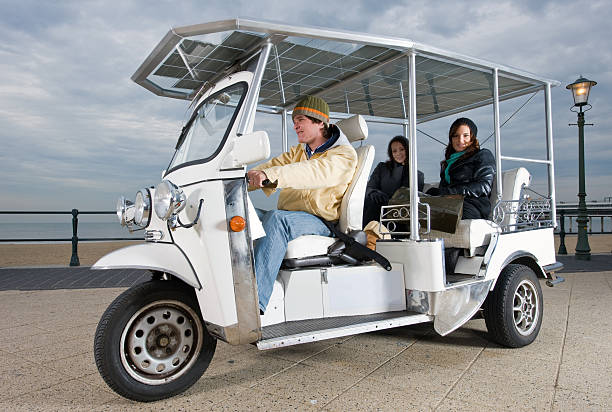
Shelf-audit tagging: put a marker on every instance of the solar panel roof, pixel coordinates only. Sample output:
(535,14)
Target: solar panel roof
(354,73)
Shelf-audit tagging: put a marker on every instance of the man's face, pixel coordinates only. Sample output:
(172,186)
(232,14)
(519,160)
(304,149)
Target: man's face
(307,131)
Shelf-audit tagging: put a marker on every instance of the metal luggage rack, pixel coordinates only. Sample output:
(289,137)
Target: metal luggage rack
(393,215)
(528,213)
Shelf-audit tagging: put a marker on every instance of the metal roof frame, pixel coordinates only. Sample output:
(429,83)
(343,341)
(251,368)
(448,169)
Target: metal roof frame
(281,30)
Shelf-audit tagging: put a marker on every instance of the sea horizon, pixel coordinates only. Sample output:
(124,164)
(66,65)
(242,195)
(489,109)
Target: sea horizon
(12,232)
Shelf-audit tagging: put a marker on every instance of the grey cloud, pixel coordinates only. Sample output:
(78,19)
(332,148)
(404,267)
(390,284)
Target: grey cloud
(75,124)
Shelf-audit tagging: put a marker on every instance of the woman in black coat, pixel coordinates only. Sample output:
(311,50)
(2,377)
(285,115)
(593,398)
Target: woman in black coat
(387,177)
(467,170)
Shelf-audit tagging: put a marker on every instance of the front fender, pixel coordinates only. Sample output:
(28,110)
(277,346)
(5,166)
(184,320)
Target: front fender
(163,257)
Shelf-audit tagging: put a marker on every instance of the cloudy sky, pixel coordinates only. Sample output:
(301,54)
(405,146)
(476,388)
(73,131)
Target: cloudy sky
(77,132)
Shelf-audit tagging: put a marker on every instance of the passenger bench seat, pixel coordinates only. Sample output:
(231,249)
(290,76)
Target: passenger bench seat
(473,233)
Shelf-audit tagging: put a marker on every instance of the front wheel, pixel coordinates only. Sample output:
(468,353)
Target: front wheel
(513,311)
(151,343)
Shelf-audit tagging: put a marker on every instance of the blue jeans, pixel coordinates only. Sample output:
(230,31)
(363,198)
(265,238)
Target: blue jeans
(281,227)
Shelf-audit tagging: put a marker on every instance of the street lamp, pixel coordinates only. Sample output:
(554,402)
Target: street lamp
(580,91)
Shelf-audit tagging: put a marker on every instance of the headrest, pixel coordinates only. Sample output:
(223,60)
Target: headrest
(355,128)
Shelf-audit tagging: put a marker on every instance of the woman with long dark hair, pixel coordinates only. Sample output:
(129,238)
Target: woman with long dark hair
(467,170)
(387,177)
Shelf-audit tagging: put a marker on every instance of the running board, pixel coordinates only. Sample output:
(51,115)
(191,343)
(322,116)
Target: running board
(312,330)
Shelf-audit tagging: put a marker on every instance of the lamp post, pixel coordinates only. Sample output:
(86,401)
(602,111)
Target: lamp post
(580,91)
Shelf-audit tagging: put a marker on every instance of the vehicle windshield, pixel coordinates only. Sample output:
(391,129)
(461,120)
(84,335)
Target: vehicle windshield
(208,127)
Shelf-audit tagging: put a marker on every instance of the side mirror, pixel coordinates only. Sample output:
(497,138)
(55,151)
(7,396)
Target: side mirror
(250,148)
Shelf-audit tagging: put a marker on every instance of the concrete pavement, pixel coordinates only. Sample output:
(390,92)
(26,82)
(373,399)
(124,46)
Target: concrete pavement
(46,358)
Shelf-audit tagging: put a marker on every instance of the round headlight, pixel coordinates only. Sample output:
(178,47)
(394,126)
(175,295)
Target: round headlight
(142,208)
(169,199)
(162,201)
(125,211)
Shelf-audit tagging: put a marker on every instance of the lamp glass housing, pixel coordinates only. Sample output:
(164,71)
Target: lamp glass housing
(580,90)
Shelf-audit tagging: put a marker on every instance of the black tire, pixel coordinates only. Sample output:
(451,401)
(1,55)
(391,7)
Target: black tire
(151,343)
(513,310)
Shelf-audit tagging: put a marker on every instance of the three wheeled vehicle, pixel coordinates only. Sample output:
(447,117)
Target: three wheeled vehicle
(157,338)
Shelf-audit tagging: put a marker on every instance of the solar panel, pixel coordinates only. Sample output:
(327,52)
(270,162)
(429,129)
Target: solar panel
(353,73)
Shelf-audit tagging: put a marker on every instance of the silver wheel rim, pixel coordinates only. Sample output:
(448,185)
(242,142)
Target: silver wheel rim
(526,307)
(161,342)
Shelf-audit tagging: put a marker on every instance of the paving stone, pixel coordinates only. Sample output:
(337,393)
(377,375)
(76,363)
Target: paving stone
(389,342)
(246,369)
(572,400)
(373,395)
(18,332)
(447,352)
(27,379)
(455,405)
(507,381)
(11,362)
(59,350)
(588,377)
(427,381)
(345,359)
(80,397)
(300,387)
(76,366)
(95,380)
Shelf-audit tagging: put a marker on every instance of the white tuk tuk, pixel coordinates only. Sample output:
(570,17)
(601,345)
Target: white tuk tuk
(158,338)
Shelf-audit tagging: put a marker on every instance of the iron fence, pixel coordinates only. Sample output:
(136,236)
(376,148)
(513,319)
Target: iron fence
(568,213)
(74,259)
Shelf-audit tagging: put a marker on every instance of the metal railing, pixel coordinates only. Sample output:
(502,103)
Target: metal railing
(568,213)
(74,259)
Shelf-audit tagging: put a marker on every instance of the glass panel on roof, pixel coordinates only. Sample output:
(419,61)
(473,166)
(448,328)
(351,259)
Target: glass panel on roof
(196,60)
(352,77)
(310,66)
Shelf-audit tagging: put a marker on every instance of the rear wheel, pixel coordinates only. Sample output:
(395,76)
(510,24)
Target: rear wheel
(151,342)
(513,311)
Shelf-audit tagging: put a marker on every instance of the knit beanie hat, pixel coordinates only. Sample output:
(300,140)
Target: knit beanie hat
(314,107)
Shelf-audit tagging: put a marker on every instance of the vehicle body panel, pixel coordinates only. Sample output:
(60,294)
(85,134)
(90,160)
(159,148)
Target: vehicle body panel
(162,257)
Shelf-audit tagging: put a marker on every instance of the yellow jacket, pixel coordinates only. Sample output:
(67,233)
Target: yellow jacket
(314,185)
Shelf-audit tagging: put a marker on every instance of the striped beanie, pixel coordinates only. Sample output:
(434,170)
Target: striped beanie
(314,107)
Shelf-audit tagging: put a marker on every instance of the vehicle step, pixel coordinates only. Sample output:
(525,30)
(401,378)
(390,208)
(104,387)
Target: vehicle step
(312,330)
(463,280)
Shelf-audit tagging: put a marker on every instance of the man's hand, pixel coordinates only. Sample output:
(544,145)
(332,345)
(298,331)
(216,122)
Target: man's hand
(256,178)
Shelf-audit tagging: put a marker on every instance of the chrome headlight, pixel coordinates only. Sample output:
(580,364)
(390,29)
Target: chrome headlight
(142,208)
(125,211)
(169,199)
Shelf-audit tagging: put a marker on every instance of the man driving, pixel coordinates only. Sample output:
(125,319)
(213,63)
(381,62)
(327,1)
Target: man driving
(313,176)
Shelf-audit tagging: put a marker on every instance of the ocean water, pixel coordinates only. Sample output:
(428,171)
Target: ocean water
(63,230)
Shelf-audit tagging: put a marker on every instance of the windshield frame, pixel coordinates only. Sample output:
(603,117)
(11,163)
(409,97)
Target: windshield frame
(190,123)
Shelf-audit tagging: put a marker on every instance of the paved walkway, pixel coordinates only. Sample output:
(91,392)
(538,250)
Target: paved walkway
(46,360)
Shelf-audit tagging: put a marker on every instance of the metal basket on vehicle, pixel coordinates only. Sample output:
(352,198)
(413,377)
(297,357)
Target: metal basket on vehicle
(524,213)
(396,219)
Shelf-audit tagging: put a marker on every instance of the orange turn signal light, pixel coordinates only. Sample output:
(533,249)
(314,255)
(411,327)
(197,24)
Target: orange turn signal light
(237,223)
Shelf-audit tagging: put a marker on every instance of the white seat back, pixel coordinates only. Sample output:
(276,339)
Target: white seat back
(513,181)
(351,210)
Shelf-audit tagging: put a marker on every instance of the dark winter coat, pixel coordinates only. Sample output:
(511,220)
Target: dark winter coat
(471,177)
(383,182)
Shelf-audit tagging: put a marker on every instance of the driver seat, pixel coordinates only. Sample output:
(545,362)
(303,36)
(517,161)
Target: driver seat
(311,250)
